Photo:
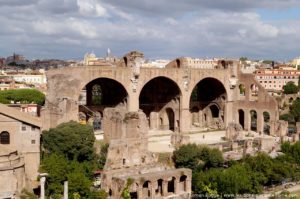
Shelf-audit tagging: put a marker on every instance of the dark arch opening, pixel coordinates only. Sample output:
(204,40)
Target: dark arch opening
(146,189)
(4,137)
(214,111)
(99,94)
(159,190)
(109,92)
(242,118)
(157,93)
(171,118)
(125,61)
(266,116)
(171,185)
(242,89)
(177,63)
(207,90)
(209,96)
(253,115)
(183,182)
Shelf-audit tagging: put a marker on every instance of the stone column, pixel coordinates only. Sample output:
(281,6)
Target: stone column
(42,183)
(66,190)
(260,122)
(140,192)
(185,116)
(133,101)
(165,188)
(229,115)
(188,186)
(176,185)
(152,191)
(200,118)
(247,122)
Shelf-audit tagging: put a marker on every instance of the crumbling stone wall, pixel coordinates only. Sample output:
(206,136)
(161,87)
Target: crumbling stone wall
(129,158)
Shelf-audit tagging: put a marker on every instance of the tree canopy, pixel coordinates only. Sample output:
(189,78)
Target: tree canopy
(246,176)
(295,110)
(197,157)
(23,96)
(290,88)
(69,155)
(72,140)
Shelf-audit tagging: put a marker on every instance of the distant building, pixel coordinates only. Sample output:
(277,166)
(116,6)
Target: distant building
(295,62)
(274,80)
(160,63)
(31,109)
(2,62)
(6,83)
(201,63)
(30,78)
(90,59)
(15,57)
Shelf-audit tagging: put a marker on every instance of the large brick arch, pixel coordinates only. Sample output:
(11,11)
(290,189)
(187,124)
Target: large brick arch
(195,83)
(143,84)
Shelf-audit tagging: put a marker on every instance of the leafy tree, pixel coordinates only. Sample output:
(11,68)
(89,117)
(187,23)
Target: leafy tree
(208,179)
(57,168)
(213,157)
(243,59)
(72,140)
(22,96)
(295,110)
(98,194)
(79,183)
(235,180)
(197,157)
(260,163)
(287,117)
(103,155)
(187,156)
(126,191)
(69,155)
(290,88)
(286,147)
(268,61)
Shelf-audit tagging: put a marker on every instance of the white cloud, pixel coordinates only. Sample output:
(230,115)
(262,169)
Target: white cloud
(69,28)
(91,8)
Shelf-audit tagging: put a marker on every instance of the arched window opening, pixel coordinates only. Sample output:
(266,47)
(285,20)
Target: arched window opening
(242,118)
(242,89)
(253,115)
(171,116)
(266,116)
(4,138)
(171,185)
(146,189)
(214,111)
(182,182)
(178,63)
(253,92)
(159,190)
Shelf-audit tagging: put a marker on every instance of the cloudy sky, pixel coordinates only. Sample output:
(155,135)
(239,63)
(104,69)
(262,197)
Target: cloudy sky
(67,29)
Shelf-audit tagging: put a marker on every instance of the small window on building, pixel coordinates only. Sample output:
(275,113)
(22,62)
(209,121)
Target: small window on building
(23,127)
(4,137)
(32,128)
(32,141)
